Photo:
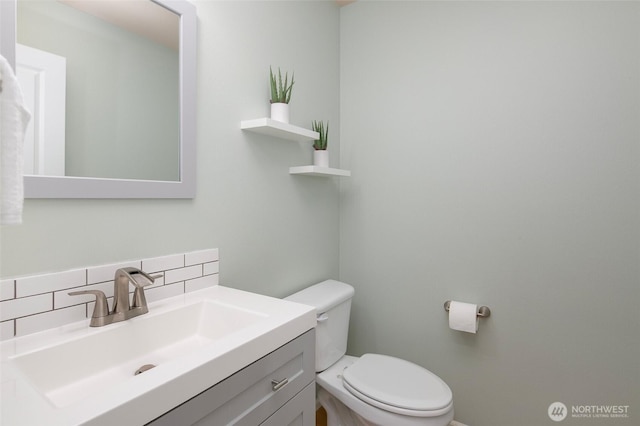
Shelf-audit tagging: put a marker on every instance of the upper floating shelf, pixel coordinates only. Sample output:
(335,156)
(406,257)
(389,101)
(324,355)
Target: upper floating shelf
(267,126)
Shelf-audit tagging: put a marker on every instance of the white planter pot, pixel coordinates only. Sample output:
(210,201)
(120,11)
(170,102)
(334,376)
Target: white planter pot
(321,157)
(280,112)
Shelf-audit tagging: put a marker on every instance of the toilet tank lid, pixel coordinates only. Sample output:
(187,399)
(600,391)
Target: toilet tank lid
(323,296)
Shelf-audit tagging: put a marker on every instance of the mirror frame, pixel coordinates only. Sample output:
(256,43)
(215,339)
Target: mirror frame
(86,187)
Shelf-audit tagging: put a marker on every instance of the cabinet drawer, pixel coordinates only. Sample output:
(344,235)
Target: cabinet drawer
(299,411)
(249,396)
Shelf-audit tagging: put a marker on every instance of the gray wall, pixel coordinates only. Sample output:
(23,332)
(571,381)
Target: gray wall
(495,157)
(494,151)
(276,232)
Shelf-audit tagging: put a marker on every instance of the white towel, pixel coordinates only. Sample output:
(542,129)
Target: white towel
(13,123)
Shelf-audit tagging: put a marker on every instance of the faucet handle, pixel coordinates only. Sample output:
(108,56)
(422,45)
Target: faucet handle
(102,308)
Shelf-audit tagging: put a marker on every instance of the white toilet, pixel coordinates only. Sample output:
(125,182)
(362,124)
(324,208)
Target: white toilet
(374,389)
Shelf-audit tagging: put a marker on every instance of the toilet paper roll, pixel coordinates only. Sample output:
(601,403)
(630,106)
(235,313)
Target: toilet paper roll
(463,316)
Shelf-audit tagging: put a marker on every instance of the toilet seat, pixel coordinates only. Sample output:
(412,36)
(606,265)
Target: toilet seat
(397,386)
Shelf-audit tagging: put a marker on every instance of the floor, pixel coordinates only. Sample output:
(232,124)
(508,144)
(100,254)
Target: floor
(321,417)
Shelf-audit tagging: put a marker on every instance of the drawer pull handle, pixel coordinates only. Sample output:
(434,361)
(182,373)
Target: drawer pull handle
(322,317)
(278,384)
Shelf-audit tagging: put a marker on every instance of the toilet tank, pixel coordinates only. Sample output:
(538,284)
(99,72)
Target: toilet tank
(332,300)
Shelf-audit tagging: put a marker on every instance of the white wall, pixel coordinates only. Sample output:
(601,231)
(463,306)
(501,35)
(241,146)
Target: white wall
(494,149)
(276,232)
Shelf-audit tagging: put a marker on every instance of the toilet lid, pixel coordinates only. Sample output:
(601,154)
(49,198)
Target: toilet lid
(396,385)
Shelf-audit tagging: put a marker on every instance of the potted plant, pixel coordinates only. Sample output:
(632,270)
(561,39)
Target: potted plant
(320,154)
(280,95)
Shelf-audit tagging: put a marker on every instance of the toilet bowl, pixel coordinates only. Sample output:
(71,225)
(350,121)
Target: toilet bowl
(376,413)
(373,389)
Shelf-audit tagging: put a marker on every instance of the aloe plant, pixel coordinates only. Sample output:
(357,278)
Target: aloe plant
(318,126)
(280,91)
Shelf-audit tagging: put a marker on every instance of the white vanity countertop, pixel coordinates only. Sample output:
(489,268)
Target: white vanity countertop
(140,399)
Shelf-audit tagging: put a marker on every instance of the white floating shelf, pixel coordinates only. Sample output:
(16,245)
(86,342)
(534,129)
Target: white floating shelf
(318,171)
(267,126)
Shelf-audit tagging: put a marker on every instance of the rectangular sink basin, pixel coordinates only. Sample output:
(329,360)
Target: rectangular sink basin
(69,372)
(79,375)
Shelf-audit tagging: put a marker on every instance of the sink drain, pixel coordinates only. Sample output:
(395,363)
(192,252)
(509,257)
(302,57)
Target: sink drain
(143,369)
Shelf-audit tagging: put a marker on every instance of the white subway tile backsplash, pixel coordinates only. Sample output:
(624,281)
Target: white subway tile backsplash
(16,308)
(35,303)
(38,284)
(200,283)
(211,268)
(50,319)
(7,289)
(182,274)
(163,263)
(165,291)
(201,256)
(7,330)
(98,274)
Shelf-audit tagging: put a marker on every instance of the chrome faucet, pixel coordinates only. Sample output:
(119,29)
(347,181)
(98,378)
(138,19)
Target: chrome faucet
(122,309)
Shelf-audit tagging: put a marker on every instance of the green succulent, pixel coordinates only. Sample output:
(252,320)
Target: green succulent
(280,91)
(318,126)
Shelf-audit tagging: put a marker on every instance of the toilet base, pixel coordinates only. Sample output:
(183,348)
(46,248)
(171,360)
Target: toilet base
(339,414)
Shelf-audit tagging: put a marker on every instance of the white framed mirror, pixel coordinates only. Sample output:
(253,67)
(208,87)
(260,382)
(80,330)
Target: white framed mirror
(126,168)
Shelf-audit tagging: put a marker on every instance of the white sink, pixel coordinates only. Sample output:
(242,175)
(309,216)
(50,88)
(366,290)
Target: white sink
(71,371)
(81,375)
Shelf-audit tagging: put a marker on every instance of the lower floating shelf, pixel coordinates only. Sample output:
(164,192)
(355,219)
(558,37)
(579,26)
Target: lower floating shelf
(318,171)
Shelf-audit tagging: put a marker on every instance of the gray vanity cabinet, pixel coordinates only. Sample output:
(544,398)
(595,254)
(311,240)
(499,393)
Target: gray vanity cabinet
(276,390)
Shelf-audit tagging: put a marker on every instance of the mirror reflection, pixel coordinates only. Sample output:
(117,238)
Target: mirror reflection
(102,80)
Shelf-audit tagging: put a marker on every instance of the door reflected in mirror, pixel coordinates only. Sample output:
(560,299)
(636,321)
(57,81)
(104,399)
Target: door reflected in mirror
(102,79)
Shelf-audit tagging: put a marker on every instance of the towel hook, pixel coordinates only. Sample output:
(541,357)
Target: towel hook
(483,311)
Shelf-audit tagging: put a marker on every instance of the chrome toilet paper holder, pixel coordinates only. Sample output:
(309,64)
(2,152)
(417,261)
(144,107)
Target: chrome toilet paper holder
(483,311)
